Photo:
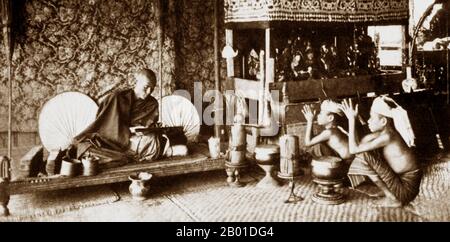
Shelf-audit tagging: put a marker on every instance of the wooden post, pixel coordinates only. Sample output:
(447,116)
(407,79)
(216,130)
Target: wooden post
(405,47)
(160,34)
(410,33)
(448,64)
(6,14)
(218,115)
(262,87)
(270,75)
(230,73)
(9,109)
(230,61)
(270,64)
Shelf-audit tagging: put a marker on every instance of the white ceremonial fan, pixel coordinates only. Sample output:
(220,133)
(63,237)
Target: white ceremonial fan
(179,111)
(63,117)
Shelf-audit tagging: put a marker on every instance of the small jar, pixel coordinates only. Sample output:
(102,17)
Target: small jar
(140,186)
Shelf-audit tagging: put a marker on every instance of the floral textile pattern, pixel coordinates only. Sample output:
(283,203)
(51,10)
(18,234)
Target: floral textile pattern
(77,45)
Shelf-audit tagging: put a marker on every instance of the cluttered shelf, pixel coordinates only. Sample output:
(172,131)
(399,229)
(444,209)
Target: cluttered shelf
(197,161)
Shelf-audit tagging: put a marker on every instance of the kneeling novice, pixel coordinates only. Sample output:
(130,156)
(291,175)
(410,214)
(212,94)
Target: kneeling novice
(333,136)
(395,170)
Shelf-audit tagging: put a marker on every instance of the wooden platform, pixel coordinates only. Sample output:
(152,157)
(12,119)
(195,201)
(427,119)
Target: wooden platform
(197,161)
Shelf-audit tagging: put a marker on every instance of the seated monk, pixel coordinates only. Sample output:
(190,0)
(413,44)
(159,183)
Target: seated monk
(119,118)
(395,170)
(333,136)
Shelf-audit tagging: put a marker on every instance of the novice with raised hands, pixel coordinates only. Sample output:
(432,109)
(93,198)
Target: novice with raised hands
(395,171)
(333,135)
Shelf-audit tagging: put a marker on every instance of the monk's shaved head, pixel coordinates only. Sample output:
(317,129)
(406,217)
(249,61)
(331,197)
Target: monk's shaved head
(147,73)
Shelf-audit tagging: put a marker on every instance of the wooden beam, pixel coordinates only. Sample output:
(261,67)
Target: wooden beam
(335,87)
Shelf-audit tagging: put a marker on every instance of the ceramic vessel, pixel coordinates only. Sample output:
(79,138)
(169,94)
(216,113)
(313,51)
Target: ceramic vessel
(140,186)
(214,147)
(90,166)
(70,168)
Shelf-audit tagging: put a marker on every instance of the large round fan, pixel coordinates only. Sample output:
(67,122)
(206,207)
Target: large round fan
(63,117)
(178,111)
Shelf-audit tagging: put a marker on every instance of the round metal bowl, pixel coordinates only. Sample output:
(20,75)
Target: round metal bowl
(328,168)
(267,159)
(267,154)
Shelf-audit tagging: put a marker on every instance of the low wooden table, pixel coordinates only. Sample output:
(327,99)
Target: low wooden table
(197,161)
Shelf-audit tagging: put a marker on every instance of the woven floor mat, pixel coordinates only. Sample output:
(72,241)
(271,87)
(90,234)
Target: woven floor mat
(249,203)
(215,201)
(155,209)
(433,201)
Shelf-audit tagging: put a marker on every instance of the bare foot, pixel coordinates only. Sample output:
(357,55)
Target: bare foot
(387,203)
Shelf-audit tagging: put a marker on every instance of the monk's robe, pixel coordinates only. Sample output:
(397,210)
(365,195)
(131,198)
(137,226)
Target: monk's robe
(404,187)
(109,135)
